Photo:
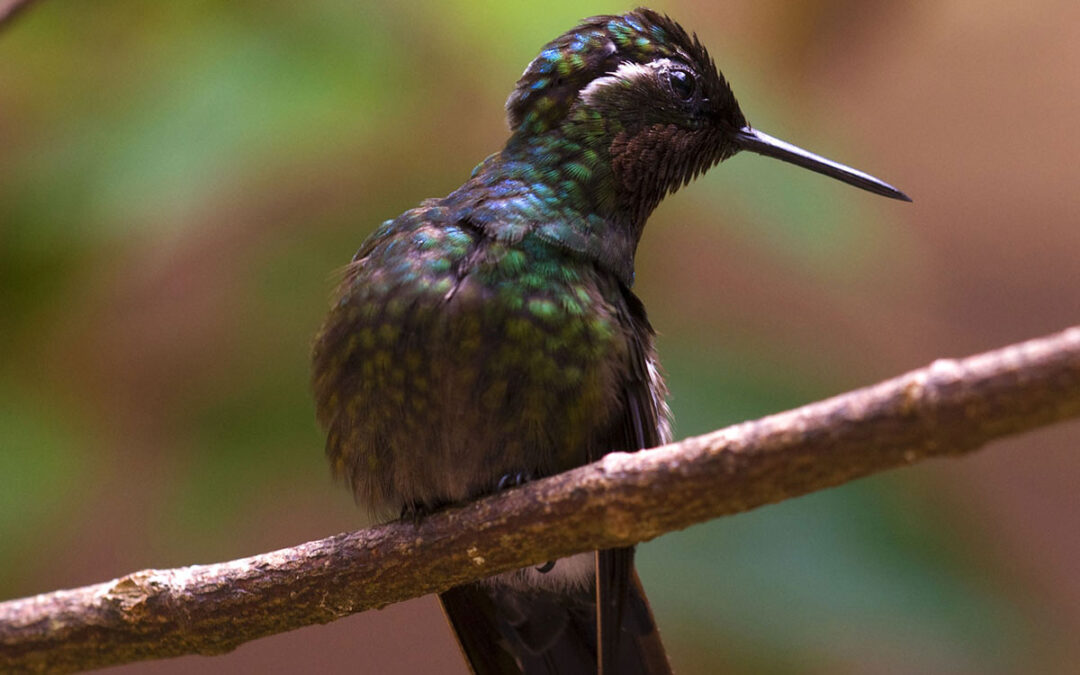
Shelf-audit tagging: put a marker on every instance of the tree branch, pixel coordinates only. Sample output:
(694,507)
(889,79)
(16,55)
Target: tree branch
(9,9)
(949,408)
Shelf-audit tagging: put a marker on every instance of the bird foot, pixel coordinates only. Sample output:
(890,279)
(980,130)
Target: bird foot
(513,480)
(546,567)
(417,512)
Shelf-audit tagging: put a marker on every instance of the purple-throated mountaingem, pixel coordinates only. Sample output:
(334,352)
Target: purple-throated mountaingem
(492,333)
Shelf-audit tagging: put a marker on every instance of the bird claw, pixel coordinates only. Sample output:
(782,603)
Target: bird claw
(417,512)
(413,512)
(513,480)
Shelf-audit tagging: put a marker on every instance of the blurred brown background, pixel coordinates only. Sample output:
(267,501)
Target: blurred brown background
(179,181)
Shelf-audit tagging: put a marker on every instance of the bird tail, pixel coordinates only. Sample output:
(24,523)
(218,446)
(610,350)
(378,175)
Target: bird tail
(505,630)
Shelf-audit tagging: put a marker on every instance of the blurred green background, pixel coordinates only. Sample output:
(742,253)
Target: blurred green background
(180,181)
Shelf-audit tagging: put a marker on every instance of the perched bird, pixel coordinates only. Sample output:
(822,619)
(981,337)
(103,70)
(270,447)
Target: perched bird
(491,336)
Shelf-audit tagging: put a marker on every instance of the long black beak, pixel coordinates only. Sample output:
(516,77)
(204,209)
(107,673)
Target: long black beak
(764,144)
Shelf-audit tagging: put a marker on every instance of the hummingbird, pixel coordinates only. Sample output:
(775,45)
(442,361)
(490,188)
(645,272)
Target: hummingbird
(491,336)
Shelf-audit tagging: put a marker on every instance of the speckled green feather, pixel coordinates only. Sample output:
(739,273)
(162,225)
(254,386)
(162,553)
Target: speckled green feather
(550,84)
(452,359)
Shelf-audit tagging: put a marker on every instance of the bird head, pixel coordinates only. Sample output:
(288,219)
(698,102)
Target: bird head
(652,94)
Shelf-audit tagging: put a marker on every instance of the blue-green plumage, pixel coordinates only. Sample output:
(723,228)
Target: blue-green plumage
(493,332)
(452,359)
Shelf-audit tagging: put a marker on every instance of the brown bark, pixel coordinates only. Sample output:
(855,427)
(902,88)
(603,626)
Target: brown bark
(9,9)
(951,407)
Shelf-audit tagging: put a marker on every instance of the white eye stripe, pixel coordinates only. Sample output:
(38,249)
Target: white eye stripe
(628,71)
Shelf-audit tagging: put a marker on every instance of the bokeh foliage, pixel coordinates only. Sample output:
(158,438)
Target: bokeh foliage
(179,182)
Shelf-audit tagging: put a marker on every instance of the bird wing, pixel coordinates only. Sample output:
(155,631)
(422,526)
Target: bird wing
(627,636)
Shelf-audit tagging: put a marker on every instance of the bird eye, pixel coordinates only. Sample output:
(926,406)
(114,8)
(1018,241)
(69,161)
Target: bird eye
(682,83)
